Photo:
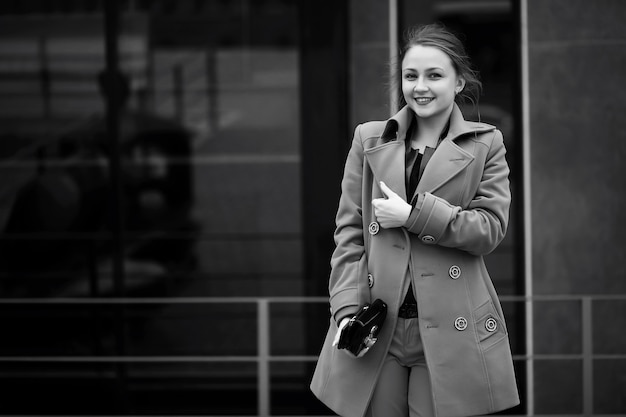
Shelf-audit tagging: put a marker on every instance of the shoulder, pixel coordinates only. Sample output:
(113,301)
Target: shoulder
(486,134)
(480,126)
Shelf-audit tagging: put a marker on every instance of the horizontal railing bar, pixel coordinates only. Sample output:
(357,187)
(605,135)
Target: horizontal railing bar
(279,299)
(562,297)
(276,358)
(293,358)
(231,358)
(214,159)
(212,415)
(163,300)
(303,415)
(153,235)
(126,359)
(564,356)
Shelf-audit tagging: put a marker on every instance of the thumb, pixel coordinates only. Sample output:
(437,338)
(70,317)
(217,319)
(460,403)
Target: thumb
(387,191)
(342,324)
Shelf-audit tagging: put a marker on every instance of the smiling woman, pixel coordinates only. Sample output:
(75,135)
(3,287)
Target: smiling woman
(425,195)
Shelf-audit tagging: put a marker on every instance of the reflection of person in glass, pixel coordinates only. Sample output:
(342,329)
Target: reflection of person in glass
(425,195)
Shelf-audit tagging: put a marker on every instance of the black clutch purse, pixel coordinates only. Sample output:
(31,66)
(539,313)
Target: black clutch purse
(361,332)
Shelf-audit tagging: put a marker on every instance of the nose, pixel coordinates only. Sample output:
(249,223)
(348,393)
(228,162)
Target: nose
(420,85)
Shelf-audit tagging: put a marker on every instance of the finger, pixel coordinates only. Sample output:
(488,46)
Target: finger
(386,190)
(344,322)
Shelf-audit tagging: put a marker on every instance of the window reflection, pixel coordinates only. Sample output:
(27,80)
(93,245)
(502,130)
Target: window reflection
(209,155)
(209,133)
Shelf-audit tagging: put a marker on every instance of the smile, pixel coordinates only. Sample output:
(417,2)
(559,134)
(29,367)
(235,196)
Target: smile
(423,100)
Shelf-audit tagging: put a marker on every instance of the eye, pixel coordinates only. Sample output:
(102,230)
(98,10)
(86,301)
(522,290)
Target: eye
(409,76)
(435,75)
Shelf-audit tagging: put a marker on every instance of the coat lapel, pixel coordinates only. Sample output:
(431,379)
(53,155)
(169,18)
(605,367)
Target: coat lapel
(387,159)
(447,161)
(387,163)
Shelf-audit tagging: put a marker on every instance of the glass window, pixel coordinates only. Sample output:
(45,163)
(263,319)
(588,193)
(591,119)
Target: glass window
(198,194)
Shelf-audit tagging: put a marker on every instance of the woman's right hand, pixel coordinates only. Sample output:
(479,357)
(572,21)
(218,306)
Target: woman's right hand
(391,211)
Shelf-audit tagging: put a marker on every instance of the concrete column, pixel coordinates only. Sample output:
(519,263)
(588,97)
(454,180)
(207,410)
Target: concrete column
(576,79)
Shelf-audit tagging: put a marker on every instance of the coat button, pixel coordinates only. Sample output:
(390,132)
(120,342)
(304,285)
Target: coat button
(454,272)
(460,323)
(428,239)
(491,324)
(370,280)
(374,227)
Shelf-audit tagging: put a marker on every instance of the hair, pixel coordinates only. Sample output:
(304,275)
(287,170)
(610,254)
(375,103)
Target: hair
(438,36)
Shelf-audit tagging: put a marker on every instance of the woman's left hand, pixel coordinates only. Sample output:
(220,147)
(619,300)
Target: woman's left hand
(392,211)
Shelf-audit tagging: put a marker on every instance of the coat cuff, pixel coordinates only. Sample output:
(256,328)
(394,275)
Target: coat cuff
(430,220)
(343,303)
(345,312)
(418,201)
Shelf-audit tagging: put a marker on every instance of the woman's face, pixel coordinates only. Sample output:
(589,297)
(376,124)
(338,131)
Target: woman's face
(429,81)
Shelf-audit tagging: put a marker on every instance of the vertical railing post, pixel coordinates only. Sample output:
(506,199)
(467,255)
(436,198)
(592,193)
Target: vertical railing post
(527,205)
(263,352)
(530,356)
(587,330)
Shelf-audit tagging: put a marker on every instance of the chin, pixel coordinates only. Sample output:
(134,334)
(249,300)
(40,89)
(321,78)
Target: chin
(423,113)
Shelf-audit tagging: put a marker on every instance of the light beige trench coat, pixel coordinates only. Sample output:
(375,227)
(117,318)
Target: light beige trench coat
(465,197)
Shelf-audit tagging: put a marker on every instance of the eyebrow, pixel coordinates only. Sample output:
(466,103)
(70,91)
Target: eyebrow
(427,69)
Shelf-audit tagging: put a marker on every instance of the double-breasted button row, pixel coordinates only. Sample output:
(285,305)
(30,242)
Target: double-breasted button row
(454,272)
(461,323)
(491,324)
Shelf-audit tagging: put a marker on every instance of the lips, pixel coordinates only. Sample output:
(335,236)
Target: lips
(423,100)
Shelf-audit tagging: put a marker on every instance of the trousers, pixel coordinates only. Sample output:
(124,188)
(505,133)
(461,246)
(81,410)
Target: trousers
(403,388)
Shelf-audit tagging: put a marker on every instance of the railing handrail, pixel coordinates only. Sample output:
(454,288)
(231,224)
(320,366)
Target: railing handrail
(264,357)
(270,299)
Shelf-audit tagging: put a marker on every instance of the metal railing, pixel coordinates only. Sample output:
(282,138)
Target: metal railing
(587,355)
(263,358)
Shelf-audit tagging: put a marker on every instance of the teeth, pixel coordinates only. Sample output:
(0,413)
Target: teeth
(423,100)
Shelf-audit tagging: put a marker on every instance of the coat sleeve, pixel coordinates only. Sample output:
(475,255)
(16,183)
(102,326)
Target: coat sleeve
(479,228)
(348,262)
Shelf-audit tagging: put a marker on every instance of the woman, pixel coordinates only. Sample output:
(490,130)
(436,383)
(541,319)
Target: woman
(425,195)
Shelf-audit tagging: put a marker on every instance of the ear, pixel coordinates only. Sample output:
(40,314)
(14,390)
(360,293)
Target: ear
(460,85)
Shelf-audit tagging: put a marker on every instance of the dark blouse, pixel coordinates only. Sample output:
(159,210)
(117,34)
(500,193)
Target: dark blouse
(415,163)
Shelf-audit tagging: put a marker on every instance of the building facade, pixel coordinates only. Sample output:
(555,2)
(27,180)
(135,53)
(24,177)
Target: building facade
(171,173)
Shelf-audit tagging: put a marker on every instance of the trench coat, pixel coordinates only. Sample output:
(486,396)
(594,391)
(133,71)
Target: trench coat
(461,213)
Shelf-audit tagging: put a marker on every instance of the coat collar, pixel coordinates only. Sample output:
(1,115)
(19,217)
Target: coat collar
(387,157)
(398,124)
